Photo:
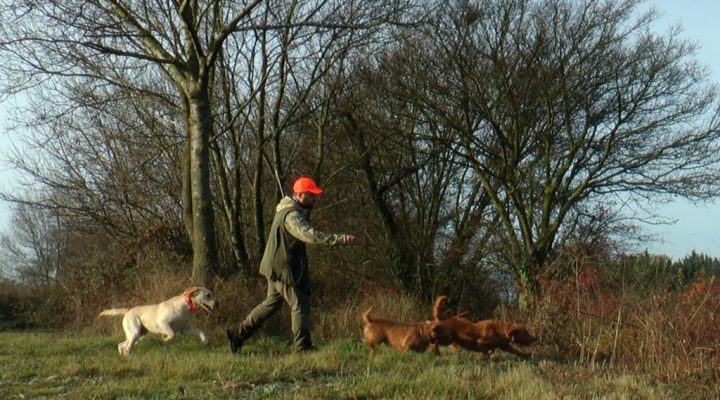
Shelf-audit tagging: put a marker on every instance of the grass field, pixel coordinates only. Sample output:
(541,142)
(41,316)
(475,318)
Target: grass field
(41,365)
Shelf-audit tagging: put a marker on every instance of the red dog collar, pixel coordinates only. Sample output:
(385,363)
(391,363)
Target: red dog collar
(190,304)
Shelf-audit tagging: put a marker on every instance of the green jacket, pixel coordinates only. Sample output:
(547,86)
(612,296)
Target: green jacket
(285,258)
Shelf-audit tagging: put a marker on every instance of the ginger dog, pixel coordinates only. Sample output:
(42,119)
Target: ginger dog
(401,336)
(166,318)
(483,336)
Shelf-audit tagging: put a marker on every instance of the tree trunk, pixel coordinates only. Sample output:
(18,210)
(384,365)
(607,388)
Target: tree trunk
(205,258)
(237,233)
(258,203)
(186,195)
(530,290)
(257,178)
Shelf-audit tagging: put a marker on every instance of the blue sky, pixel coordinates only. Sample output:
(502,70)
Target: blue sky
(695,228)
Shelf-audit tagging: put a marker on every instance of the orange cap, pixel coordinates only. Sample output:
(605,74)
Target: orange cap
(304,184)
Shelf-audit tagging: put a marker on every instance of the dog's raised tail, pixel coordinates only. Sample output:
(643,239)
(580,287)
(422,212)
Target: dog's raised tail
(113,312)
(437,308)
(366,316)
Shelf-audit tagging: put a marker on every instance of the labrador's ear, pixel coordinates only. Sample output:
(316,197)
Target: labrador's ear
(191,291)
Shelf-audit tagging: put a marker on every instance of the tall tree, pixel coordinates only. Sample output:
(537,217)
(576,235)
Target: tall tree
(432,209)
(115,43)
(279,83)
(106,158)
(33,251)
(558,103)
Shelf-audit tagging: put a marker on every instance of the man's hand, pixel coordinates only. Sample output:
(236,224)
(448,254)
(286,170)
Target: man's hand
(349,239)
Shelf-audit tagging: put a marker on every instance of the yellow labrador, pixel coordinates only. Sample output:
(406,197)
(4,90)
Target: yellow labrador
(166,318)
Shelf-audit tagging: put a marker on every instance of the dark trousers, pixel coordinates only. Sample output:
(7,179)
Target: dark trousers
(299,302)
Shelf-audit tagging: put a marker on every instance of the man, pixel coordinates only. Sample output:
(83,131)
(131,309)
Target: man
(285,266)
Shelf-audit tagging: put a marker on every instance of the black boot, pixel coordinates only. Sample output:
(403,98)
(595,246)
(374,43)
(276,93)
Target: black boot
(236,340)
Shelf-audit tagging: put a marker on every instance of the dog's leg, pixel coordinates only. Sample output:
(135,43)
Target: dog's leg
(166,331)
(197,332)
(454,348)
(127,345)
(403,347)
(510,349)
(484,347)
(371,345)
(133,330)
(409,343)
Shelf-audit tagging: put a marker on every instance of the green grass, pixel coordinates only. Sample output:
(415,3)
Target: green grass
(59,365)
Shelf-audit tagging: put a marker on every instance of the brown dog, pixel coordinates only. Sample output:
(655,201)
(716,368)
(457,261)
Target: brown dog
(402,337)
(482,336)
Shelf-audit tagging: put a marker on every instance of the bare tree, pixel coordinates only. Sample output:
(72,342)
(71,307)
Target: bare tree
(116,44)
(433,212)
(107,159)
(558,103)
(32,253)
(280,103)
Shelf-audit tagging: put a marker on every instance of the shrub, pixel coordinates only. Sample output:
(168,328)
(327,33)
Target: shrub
(22,307)
(669,332)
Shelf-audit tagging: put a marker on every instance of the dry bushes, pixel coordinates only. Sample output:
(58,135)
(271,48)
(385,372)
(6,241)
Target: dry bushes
(669,333)
(343,319)
(21,307)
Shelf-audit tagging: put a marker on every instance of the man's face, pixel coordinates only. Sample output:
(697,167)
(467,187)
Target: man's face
(307,199)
